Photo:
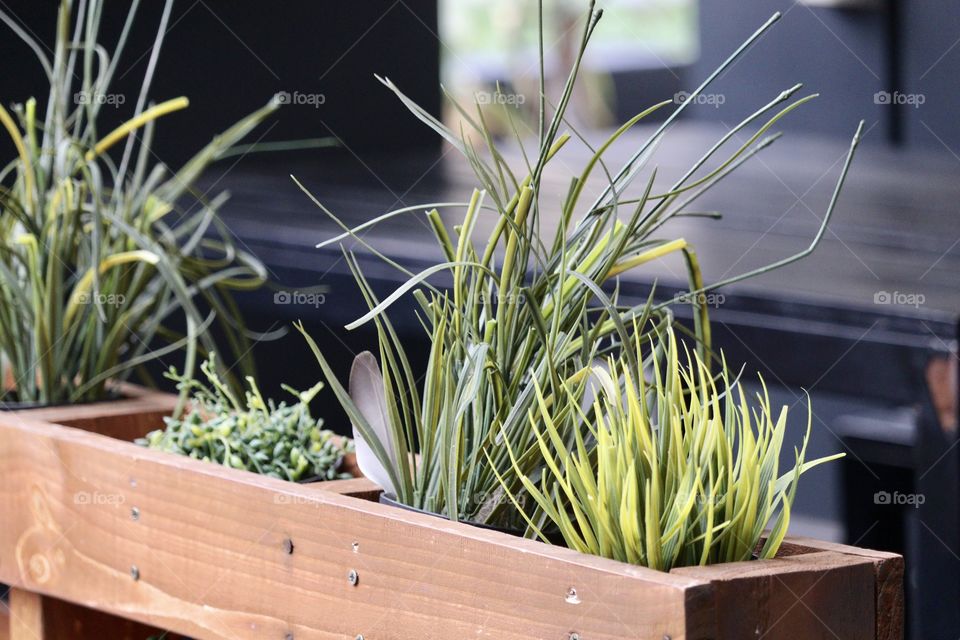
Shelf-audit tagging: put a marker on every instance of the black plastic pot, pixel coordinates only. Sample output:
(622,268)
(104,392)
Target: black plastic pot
(391,500)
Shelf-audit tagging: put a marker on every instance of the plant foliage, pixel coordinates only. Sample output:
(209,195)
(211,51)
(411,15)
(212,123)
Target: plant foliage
(278,440)
(100,253)
(526,315)
(680,470)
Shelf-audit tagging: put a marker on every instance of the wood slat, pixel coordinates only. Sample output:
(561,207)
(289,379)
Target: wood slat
(815,596)
(221,553)
(888,572)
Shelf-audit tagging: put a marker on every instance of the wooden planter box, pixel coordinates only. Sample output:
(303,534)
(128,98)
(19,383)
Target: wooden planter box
(211,552)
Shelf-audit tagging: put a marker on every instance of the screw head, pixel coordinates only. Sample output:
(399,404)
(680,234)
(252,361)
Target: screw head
(135,513)
(574,635)
(134,572)
(353,577)
(287,546)
(289,636)
(359,637)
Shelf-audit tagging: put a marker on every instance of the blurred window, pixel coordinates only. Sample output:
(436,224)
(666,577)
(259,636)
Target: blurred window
(486,42)
(485,37)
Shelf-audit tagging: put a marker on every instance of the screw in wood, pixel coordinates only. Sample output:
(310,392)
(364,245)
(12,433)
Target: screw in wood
(134,572)
(574,635)
(287,546)
(289,636)
(353,577)
(359,637)
(135,513)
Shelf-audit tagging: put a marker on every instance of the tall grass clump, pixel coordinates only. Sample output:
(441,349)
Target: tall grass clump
(527,315)
(678,470)
(102,250)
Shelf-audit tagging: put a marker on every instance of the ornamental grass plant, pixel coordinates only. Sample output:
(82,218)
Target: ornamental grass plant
(527,316)
(102,250)
(678,470)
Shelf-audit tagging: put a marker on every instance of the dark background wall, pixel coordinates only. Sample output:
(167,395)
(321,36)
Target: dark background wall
(910,48)
(847,68)
(931,66)
(231,56)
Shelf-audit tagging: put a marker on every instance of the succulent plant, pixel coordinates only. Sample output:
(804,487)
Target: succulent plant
(279,440)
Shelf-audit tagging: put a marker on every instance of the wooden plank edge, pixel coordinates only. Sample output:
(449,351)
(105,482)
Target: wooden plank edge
(135,400)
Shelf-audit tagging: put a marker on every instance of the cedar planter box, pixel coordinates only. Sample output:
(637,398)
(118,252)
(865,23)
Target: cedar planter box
(211,552)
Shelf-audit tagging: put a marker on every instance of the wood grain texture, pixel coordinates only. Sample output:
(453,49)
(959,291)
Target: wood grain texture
(227,554)
(888,571)
(815,596)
